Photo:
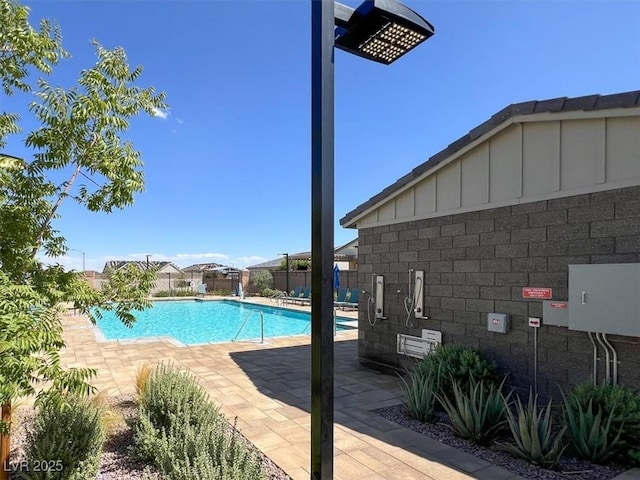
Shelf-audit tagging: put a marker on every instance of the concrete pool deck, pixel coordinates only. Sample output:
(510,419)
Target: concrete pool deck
(267,387)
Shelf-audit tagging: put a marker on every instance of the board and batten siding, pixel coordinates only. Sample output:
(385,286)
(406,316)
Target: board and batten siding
(529,160)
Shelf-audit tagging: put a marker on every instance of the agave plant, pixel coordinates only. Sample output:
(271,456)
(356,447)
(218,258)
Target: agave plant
(591,436)
(420,395)
(478,412)
(532,432)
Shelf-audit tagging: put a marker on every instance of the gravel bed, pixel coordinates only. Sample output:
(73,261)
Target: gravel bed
(569,467)
(116,463)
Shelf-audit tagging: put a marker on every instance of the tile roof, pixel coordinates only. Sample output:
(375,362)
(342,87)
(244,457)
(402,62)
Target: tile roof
(141,264)
(343,252)
(200,267)
(553,105)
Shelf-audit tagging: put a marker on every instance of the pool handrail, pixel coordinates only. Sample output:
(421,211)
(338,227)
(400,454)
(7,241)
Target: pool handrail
(244,322)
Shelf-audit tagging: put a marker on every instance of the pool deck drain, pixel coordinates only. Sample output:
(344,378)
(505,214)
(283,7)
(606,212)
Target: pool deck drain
(267,387)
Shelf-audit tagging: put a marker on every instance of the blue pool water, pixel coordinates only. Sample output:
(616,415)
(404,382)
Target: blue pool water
(193,322)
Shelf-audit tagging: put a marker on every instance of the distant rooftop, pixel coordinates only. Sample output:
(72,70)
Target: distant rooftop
(141,264)
(344,252)
(201,267)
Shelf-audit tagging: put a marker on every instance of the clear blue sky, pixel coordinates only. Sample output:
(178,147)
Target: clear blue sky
(228,169)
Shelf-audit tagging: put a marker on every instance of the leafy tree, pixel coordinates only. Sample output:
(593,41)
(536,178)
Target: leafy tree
(262,279)
(79,136)
(295,264)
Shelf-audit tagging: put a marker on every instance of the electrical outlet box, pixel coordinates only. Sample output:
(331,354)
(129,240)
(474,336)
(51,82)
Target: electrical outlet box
(498,322)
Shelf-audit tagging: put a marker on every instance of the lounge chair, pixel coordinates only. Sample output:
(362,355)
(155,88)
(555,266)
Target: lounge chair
(342,296)
(305,297)
(352,302)
(296,294)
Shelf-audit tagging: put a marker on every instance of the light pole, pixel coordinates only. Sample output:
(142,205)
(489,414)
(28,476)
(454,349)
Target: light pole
(83,257)
(169,283)
(382,31)
(286,256)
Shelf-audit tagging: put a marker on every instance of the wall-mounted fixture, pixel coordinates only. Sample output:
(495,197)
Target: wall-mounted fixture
(379,299)
(498,322)
(418,295)
(418,347)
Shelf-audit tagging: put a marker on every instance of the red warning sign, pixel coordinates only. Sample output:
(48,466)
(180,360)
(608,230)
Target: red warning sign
(559,305)
(536,292)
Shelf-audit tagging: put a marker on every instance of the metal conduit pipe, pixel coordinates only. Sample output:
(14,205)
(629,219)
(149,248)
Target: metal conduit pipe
(595,359)
(614,360)
(607,359)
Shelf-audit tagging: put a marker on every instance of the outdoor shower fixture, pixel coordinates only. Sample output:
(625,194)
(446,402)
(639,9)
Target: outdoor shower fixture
(376,297)
(414,301)
(380,297)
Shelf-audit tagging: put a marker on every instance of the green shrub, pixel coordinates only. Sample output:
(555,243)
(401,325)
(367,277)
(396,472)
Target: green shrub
(183,293)
(270,292)
(420,395)
(478,412)
(261,279)
(590,435)
(168,391)
(220,293)
(458,363)
(181,432)
(625,403)
(67,439)
(532,432)
(174,293)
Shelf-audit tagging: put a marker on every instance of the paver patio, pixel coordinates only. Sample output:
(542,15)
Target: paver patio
(267,387)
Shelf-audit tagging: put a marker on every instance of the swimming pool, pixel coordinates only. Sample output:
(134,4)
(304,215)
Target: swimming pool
(195,322)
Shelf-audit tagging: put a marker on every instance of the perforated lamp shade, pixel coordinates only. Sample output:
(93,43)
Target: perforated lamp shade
(382,31)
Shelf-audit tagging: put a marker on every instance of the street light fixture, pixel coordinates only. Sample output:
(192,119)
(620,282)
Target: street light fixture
(382,31)
(83,257)
(286,256)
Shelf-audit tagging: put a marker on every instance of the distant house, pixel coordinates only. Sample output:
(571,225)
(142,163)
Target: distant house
(270,265)
(345,256)
(161,267)
(210,268)
(218,277)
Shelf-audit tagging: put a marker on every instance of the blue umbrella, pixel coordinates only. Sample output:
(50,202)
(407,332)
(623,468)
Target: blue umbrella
(336,277)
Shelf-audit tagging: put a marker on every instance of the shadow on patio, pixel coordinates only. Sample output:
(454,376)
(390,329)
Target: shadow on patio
(366,445)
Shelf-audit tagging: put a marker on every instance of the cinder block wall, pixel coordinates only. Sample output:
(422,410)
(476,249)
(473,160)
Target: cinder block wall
(478,262)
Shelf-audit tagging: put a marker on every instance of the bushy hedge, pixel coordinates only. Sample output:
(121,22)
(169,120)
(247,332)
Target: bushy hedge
(457,363)
(65,442)
(182,433)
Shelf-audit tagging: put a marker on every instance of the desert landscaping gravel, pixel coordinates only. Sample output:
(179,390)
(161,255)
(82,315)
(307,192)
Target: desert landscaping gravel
(569,468)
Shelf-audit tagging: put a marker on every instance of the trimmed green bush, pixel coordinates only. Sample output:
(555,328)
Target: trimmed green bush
(65,442)
(174,293)
(261,279)
(182,433)
(270,292)
(457,363)
(420,394)
(477,413)
(531,428)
